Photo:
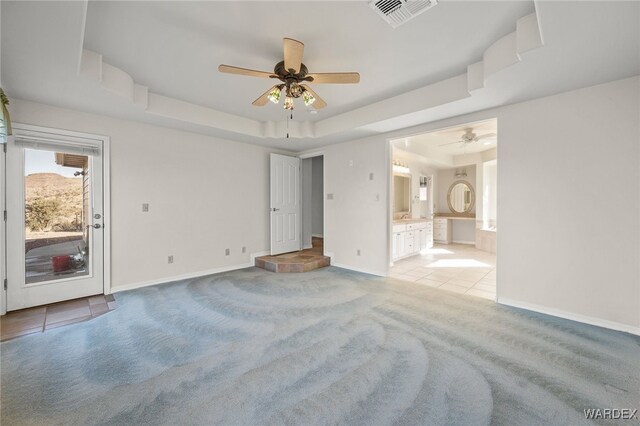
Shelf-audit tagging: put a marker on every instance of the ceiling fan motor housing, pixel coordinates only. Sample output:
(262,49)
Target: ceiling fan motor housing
(291,79)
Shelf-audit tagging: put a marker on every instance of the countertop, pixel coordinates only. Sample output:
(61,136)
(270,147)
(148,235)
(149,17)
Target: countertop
(406,221)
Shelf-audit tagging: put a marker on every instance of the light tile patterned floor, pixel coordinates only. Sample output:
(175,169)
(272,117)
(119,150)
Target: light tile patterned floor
(459,268)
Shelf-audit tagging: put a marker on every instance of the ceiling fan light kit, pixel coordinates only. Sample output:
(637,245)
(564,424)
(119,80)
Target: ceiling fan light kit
(293,74)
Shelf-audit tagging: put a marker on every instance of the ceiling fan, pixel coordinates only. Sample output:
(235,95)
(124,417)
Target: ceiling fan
(470,137)
(293,75)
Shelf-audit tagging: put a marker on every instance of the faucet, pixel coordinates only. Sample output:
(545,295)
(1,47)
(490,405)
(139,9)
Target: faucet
(405,216)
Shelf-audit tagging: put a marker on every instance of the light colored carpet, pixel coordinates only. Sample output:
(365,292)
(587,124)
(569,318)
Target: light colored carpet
(326,347)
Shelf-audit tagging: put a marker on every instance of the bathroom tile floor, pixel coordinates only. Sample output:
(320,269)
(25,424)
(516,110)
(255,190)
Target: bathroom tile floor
(460,268)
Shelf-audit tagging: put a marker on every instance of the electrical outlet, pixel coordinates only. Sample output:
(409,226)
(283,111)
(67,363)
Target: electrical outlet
(358,252)
(145,207)
(170,259)
(350,163)
(370,176)
(244,249)
(329,196)
(227,252)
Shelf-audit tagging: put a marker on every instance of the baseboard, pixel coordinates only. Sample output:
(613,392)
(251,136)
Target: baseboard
(306,247)
(464,242)
(613,325)
(258,254)
(364,271)
(190,275)
(317,235)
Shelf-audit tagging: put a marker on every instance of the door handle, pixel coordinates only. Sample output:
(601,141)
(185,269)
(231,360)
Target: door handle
(273,209)
(96,226)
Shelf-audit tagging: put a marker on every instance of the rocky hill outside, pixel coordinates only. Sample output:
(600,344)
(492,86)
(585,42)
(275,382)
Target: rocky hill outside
(53,203)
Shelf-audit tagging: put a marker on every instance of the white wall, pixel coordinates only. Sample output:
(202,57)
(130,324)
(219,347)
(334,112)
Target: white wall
(317,215)
(489,194)
(357,217)
(306,165)
(569,203)
(204,194)
(569,200)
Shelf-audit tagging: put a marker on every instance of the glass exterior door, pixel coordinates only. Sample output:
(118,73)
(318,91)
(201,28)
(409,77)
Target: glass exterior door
(54,226)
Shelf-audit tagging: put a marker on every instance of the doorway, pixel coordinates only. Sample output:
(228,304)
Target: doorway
(55,207)
(456,208)
(312,170)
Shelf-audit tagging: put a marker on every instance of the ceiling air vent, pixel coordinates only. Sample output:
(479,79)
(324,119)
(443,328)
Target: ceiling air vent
(397,12)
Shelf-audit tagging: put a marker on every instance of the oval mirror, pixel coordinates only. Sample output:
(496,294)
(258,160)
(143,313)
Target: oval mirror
(461,197)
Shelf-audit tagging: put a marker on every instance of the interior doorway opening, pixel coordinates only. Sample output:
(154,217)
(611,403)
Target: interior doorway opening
(297,192)
(444,204)
(312,171)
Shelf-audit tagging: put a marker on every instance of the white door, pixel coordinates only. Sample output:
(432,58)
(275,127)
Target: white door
(54,218)
(285,204)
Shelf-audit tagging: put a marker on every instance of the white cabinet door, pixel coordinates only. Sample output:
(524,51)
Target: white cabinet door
(423,239)
(396,245)
(401,247)
(409,244)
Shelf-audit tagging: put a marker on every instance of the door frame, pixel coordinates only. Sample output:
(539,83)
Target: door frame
(324,196)
(20,129)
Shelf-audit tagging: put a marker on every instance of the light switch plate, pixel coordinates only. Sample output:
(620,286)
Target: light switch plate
(329,196)
(145,207)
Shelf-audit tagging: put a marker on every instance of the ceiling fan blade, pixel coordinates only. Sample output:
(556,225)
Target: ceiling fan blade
(319,103)
(335,77)
(263,99)
(244,71)
(293,51)
(486,135)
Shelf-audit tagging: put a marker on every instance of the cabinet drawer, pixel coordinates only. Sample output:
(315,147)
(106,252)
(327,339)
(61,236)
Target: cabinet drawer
(440,220)
(439,234)
(440,225)
(409,234)
(420,225)
(399,228)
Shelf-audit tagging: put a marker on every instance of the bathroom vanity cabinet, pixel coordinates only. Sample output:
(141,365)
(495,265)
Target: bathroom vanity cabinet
(411,237)
(442,230)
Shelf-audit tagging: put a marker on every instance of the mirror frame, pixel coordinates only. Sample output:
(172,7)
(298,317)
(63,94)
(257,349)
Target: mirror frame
(473,197)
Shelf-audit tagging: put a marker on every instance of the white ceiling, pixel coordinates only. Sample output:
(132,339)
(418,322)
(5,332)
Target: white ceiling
(447,141)
(173,48)
(441,149)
